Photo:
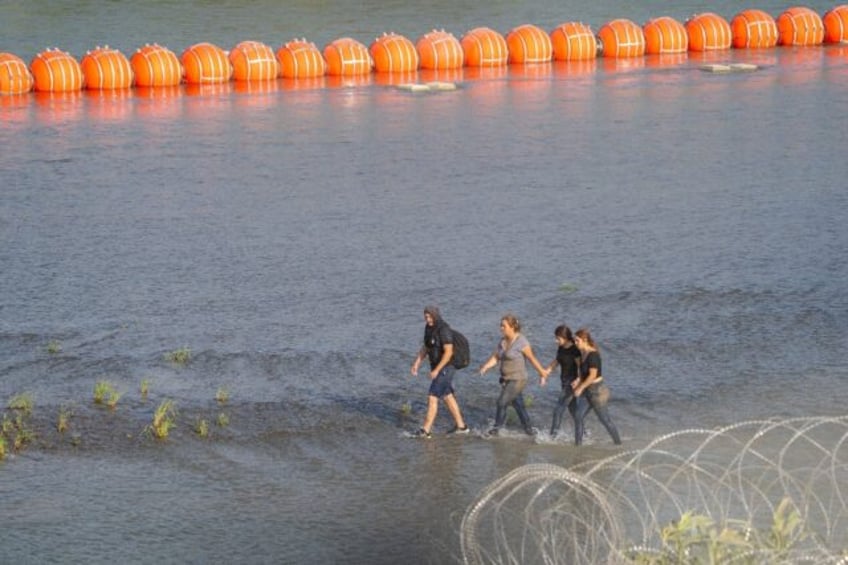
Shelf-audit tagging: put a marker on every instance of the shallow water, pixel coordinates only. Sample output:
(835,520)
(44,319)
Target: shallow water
(290,238)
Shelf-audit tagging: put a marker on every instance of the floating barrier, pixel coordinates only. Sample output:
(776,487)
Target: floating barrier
(800,26)
(753,29)
(394,53)
(254,61)
(105,68)
(708,32)
(484,47)
(347,57)
(836,25)
(205,63)
(56,71)
(440,50)
(154,65)
(622,38)
(529,44)
(15,77)
(301,59)
(665,35)
(574,41)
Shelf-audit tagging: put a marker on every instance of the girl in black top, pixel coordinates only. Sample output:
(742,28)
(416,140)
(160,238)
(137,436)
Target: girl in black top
(568,359)
(590,385)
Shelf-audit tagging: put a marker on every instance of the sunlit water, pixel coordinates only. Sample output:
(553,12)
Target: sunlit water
(291,236)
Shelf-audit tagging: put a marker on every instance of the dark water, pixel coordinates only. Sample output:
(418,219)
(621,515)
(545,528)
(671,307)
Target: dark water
(290,238)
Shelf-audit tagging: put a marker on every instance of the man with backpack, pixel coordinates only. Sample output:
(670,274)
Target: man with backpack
(440,347)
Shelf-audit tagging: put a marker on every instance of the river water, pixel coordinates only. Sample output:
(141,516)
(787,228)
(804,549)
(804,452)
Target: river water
(289,237)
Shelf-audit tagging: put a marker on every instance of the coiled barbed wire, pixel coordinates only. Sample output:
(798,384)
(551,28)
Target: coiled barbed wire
(742,480)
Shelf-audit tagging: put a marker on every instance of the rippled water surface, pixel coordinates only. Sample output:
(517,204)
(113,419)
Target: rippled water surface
(290,235)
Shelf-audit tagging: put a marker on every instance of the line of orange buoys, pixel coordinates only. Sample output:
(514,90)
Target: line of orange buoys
(105,68)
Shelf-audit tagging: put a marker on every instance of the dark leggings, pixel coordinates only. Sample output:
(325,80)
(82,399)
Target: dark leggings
(511,395)
(593,402)
(566,400)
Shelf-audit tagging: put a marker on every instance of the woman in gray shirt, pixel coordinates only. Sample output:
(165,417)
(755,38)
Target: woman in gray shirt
(510,354)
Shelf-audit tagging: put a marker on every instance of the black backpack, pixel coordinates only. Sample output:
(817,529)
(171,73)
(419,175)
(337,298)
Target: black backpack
(461,352)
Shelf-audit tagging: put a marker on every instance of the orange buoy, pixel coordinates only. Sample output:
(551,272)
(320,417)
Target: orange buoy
(529,44)
(15,77)
(800,26)
(484,47)
(105,68)
(394,53)
(665,35)
(708,32)
(155,65)
(753,29)
(622,38)
(253,61)
(205,63)
(56,71)
(301,59)
(440,50)
(347,57)
(836,24)
(574,41)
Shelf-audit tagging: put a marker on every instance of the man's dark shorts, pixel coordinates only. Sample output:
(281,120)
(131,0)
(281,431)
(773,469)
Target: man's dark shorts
(442,385)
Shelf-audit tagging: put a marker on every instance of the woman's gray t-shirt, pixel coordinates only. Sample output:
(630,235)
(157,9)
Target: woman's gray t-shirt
(512,360)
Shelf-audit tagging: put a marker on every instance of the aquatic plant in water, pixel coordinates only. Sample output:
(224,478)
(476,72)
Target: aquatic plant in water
(144,388)
(179,356)
(112,400)
(102,391)
(2,447)
(164,418)
(223,420)
(201,428)
(54,347)
(63,420)
(22,402)
(222,396)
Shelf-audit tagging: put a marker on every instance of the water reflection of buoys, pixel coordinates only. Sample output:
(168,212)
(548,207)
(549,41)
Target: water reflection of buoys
(205,63)
(665,35)
(155,65)
(800,26)
(753,29)
(105,68)
(708,32)
(301,59)
(529,44)
(254,61)
(622,38)
(574,41)
(347,57)
(439,50)
(836,24)
(56,71)
(15,77)
(484,47)
(393,53)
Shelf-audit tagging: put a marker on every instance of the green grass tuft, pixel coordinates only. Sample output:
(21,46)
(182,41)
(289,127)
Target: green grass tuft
(179,356)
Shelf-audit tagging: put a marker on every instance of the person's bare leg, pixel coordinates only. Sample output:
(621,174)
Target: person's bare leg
(453,407)
(432,410)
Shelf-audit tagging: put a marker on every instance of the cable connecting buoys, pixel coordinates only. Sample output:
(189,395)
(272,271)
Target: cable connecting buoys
(484,47)
(753,29)
(301,59)
(440,50)
(836,24)
(347,57)
(393,53)
(105,68)
(205,63)
(800,26)
(622,38)
(529,44)
(56,71)
(574,41)
(154,65)
(15,77)
(665,35)
(254,61)
(708,32)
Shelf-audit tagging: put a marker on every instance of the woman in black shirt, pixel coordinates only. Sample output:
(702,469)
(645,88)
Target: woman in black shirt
(568,359)
(590,385)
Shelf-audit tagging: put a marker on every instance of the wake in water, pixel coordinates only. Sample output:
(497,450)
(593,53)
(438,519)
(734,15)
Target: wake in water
(754,492)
